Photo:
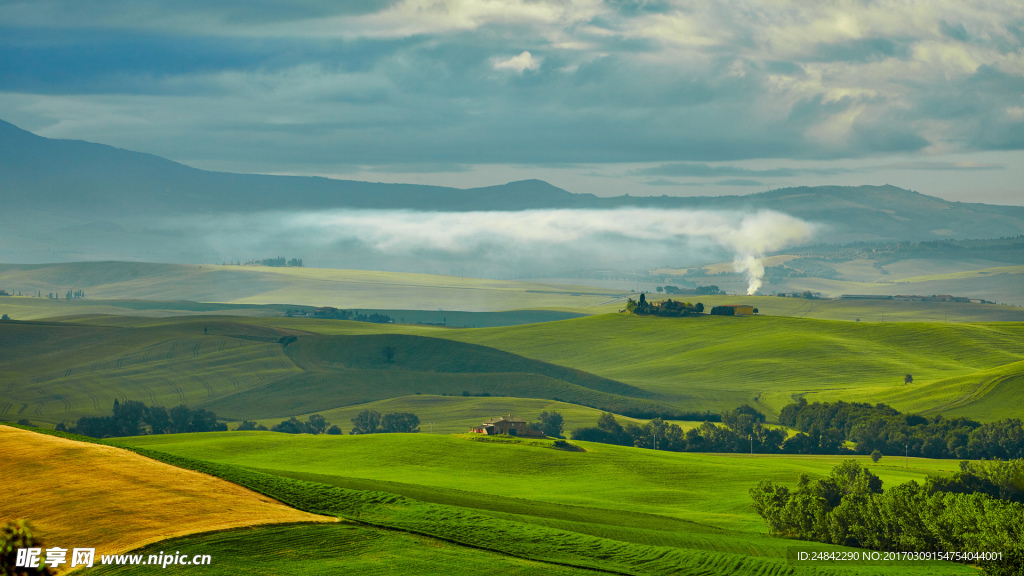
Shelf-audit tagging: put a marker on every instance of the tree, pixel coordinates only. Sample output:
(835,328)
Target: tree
(334,431)
(366,422)
(5,317)
(659,289)
(317,424)
(248,425)
(158,420)
(404,422)
(388,353)
(181,419)
(609,424)
(908,379)
(876,456)
(289,426)
(17,535)
(551,424)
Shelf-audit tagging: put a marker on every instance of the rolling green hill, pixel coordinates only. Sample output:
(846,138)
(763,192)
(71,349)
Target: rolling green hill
(456,414)
(717,363)
(60,372)
(239,368)
(636,511)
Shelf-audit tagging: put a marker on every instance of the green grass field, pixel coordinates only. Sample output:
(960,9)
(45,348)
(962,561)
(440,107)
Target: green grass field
(717,363)
(304,549)
(625,364)
(676,485)
(456,414)
(651,512)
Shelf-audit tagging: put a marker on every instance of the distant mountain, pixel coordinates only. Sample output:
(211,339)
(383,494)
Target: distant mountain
(83,190)
(72,177)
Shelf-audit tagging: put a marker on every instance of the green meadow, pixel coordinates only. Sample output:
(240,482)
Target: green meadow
(445,502)
(456,414)
(628,510)
(307,549)
(242,369)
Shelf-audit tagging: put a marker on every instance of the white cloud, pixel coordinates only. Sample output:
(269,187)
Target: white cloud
(521,63)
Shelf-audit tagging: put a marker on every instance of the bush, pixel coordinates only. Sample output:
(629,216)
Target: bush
(15,535)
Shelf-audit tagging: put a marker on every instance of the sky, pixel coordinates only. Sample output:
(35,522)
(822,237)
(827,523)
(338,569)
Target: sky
(612,97)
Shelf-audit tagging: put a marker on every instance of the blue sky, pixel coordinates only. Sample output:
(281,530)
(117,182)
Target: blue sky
(645,97)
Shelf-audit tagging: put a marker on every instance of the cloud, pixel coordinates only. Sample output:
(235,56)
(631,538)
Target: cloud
(661,182)
(521,63)
(943,166)
(561,239)
(739,182)
(692,85)
(703,170)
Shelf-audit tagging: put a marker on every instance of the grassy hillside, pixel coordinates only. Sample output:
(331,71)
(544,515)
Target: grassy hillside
(300,550)
(654,512)
(257,285)
(456,414)
(996,392)
(128,500)
(60,372)
(717,363)
(57,372)
(625,364)
(677,485)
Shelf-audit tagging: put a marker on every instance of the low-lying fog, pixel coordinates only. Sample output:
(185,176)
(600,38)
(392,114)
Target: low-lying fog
(483,244)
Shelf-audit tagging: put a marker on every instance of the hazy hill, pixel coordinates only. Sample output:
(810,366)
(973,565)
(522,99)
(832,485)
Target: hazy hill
(88,187)
(76,178)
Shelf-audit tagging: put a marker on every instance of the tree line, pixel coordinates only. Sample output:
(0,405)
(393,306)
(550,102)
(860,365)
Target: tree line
(976,510)
(744,431)
(880,427)
(372,422)
(315,424)
(669,307)
(133,418)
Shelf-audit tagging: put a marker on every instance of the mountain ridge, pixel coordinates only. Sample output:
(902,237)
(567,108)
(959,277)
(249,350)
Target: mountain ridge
(87,184)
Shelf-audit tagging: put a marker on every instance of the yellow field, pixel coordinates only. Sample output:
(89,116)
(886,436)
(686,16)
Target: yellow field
(78,494)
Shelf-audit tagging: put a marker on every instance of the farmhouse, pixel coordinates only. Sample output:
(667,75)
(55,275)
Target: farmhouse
(511,425)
